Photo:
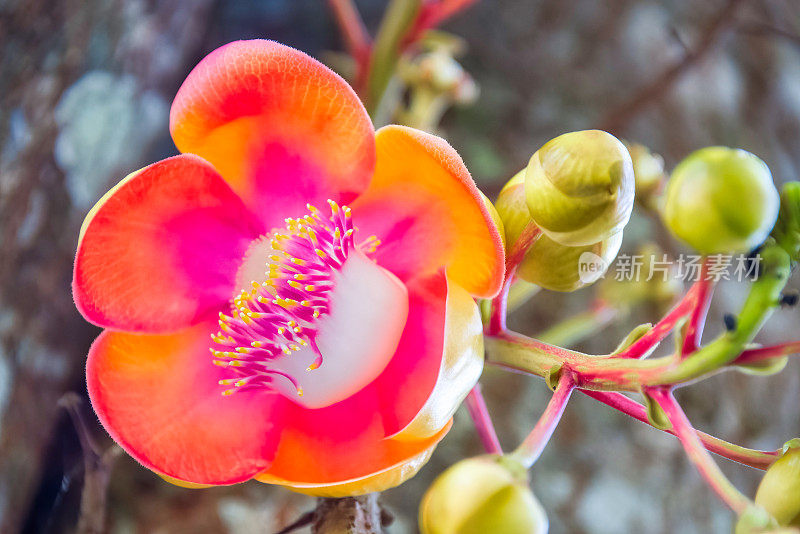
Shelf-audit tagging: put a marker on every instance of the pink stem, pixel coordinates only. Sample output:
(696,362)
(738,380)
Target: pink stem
(656,334)
(497,320)
(764,353)
(434,13)
(530,449)
(697,321)
(749,457)
(355,35)
(476,405)
(697,453)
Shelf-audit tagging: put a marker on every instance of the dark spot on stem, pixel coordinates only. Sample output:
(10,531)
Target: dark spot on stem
(730,322)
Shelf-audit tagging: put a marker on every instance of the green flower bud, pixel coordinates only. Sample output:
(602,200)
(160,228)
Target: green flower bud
(787,227)
(512,209)
(557,267)
(482,495)
(721,200)
(495,216)
(779,491)
(579,187)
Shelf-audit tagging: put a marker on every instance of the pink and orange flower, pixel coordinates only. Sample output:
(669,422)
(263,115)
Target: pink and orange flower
(291,299)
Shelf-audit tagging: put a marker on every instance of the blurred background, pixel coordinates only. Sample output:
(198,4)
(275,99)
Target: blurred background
(85,90)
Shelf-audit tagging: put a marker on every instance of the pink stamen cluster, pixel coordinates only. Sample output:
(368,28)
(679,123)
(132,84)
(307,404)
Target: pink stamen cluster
(276,317)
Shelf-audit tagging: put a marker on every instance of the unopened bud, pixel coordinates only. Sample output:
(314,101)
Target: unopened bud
(721,200)
(486,494)
(561,268)
(779,491)
(579,187)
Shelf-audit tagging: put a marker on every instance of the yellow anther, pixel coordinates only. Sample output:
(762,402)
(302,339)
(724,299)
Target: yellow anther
(294,284)
(306,303)
(228,392)
(313,366)
(300,391)
(309,287)
(257,344)
(294,347)
(320,253)
(241,383)
(315,314)
(298,261)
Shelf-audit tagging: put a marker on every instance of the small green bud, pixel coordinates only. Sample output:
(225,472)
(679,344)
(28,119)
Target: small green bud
(648,171)
(721,200)
(787,227)
(482,495)
(579,187)
(561,268)
(779,491)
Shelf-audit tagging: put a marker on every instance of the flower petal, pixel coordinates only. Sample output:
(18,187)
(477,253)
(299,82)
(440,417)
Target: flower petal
(460,368)
(281,127)
(387,478)
(159,398)
(424,207)
(423,383)
(160,250)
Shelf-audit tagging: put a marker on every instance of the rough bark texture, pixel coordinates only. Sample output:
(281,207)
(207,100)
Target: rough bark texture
(351,515)
(47,47)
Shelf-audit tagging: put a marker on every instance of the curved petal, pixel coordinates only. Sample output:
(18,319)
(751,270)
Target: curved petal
(384,479)
(423,383)
(160,250)
(424,207)
(460,368)
(158,396)
(281,127)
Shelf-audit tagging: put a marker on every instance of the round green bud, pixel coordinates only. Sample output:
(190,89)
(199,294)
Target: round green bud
(481,495)
(721,200)
(779,491)
(557,267)
(579,187)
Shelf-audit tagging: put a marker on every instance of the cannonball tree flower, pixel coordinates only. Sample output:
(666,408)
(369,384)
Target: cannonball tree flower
(291,299)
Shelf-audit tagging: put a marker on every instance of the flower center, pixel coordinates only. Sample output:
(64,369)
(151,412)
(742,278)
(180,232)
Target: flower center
(319,319)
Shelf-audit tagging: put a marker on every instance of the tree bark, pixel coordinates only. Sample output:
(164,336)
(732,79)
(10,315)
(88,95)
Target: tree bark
(350,515)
